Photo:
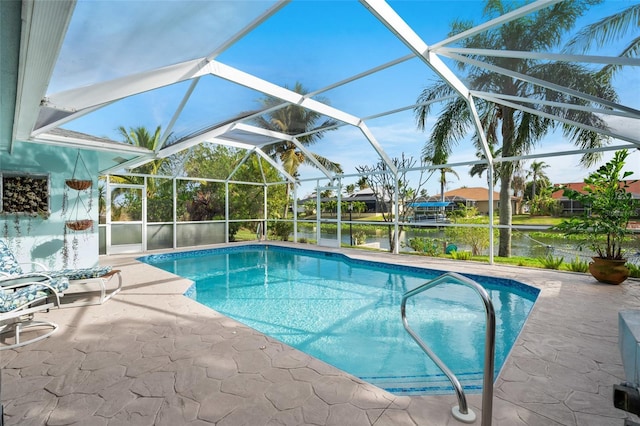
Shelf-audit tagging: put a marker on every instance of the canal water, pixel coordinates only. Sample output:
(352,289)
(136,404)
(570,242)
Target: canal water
(522,243)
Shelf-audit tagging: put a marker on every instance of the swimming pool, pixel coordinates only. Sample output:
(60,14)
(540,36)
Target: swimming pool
(346,312)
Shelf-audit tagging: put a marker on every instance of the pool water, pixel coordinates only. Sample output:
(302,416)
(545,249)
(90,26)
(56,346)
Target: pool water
(347,312)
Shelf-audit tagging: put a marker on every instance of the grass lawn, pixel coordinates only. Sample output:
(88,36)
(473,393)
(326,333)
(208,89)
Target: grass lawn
(525,219)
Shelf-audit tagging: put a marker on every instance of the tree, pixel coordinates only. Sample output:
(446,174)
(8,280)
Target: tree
(205,200)
(536,171)
(387,186)
(519,186)
(606,30)
(518,131)
(295,120)
(350,189)
(362,183)
(440,158)
(480,168)
(141,137)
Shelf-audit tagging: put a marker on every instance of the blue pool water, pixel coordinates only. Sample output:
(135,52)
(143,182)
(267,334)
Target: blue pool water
(347,312)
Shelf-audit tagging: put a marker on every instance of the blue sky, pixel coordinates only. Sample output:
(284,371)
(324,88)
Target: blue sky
(314,42)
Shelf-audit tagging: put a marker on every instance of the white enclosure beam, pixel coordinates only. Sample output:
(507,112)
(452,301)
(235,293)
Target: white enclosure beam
(248,80)
(374,143)
(276,165)
(97,94)
(188,143)
(507,17)
(94,145)
(545,56)
(385,14)
(176,114)
(237,167)
(565,105)
(283,136)
(563,120)
(562,89)
(247,29)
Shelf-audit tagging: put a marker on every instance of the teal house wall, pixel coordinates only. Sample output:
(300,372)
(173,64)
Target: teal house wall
(42,239)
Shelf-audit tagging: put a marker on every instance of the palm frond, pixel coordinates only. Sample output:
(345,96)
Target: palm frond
(606,30)
(451,126)
(325,162)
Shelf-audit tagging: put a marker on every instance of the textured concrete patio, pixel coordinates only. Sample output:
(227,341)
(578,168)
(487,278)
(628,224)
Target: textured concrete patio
(151,356)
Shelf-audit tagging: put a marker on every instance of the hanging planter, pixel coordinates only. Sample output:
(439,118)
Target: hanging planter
(78,184)
(79,225)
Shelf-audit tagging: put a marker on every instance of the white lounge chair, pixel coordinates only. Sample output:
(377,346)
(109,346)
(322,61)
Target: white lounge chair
(21,297)
(10,267)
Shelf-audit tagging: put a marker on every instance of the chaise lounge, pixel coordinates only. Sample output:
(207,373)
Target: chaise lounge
(10,267)
(21,297)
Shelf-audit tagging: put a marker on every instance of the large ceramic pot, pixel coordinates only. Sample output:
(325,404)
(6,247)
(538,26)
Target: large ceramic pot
(609,271)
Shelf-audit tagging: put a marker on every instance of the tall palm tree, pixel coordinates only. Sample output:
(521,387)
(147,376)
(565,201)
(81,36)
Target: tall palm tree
(518,131)
(536,171)
(295,120)
(608,29)
(140,136)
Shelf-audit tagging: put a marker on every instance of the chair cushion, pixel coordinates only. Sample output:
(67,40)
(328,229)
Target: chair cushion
(8,262)
(10,300)
(60,284)
(80,274)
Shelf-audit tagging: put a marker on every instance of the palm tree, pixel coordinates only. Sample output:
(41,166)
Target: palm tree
(362,183)
(519,131)
(608,29)
(350,189)
(140,136)
(519,186)
(537,174)
(480,168)
(295,120)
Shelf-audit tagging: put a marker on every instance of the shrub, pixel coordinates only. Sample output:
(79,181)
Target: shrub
(551,262)
(634,270)
(461,255)
(578,265)
(476,237)
(359,237)
(428,246)
(281,230)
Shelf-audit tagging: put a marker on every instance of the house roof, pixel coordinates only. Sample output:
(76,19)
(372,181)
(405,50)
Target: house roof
(472,194)
(633,186)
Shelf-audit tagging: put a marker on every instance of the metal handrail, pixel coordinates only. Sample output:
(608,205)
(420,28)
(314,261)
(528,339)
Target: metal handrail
(462,412)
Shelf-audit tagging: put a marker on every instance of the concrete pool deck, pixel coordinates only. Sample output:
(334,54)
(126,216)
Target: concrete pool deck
(151,356)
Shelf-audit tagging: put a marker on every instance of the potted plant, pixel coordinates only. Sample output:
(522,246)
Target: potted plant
(608,208)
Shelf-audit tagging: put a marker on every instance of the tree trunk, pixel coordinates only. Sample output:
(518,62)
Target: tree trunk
(504,249)
(506,174)
(286,202)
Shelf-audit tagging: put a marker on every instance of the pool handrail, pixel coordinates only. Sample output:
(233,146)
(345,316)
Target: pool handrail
(462,412)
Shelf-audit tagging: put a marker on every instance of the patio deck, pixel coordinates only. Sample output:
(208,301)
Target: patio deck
(151,356)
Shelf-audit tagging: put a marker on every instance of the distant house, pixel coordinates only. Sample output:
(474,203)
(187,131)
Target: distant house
(477,197)
(571,207)
(366,196)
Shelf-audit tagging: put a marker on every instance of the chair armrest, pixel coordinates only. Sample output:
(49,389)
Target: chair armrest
(40,266)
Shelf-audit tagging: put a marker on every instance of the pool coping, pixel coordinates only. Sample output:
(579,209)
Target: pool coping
(560,372)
